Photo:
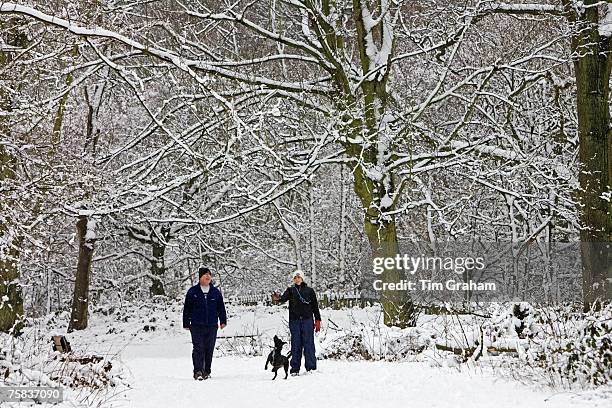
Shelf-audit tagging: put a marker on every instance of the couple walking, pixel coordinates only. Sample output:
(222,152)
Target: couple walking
(204,312)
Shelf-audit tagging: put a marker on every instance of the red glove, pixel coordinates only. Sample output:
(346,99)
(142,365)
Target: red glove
(317,327)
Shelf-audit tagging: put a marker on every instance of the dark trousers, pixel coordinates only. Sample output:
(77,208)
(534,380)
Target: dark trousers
(302,338)
(203,339)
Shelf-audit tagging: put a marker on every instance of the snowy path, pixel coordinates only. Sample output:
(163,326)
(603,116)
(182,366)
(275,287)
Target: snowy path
(161,377)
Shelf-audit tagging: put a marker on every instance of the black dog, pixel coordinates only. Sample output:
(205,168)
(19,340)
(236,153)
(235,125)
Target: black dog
(277,359)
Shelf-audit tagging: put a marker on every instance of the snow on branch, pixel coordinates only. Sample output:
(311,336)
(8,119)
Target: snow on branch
(377,57)
(186,65)
(262,32)
(523,8)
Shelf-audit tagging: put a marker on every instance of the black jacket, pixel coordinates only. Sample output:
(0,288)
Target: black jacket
(302,302)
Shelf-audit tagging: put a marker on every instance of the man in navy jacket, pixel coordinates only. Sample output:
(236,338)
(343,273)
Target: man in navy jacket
(204,311)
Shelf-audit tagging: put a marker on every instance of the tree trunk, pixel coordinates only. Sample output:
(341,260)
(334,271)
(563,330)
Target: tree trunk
(292,233)
(80,300)
(592,65)
(85,225)
(375,195)
(373,184)
(381,231)
(158,269)
(313,240)
(158,240)
(11,300)
(342,244)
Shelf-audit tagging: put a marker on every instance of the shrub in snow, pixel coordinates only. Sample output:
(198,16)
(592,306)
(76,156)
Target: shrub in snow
(590,356)
(241,345)
(516,320)
(346,346)
(375,343)
(30,361)
(81,370)
(578,348)
(521,313)
(511,327)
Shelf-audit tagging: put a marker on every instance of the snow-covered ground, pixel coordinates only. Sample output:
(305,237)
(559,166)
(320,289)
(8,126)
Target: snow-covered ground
(161,377)
(151,365)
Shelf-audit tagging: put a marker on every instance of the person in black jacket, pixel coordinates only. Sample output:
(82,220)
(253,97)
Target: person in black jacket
(204,310)
(302,306)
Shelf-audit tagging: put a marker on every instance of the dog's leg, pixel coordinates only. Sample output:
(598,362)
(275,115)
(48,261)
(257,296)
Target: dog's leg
(286,366)
(269,360)
(275,373)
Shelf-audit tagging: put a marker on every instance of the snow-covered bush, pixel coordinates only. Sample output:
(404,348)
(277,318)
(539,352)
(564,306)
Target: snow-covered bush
(30,361)
(577,348)
(375,343)
(518,320)
(346,346)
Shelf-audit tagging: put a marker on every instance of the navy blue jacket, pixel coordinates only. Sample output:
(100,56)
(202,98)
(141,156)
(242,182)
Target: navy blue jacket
(203,309)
